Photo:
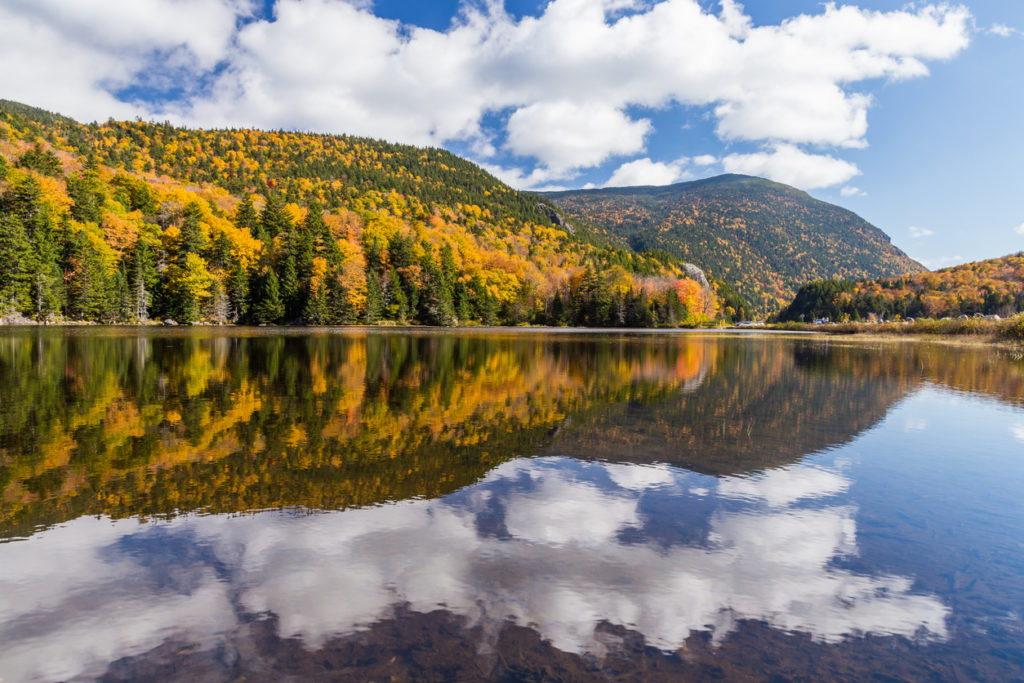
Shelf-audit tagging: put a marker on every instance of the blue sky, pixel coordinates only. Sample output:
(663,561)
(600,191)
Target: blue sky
(908,114)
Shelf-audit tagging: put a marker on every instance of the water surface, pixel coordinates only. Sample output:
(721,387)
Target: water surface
(493,506)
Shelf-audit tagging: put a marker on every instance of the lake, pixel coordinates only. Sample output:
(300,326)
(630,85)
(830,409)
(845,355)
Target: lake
(202,504)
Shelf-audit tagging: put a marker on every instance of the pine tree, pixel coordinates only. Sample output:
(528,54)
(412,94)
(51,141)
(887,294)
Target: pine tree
(317,311)
(374,299)
(15,270)
(88,284)
(269,307)
(290,292)
(274,220)
(192,239)
(245,216)
(238,292)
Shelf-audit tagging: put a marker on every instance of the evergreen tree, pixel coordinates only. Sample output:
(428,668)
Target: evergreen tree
(374,299)
(15,270)
(245,216)
(41,160)
(121,298)
(238,292)
(289,286)
(269,307)
(86,191)
(88,284)
(317,311)
(274,220)
(396,304)
(192,239)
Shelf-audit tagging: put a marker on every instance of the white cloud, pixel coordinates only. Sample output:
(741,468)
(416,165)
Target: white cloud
(791,165)
(850,191)
(1019,229)
(564,136)
(334,66)
(647,172)
(1002,30)
(917,232)
(705,160)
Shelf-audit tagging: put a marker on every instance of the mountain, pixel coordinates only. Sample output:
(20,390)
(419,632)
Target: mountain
(128,220)
(765,238)
(989,287)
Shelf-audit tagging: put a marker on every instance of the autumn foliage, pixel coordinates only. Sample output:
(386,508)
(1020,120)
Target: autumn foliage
(129,221)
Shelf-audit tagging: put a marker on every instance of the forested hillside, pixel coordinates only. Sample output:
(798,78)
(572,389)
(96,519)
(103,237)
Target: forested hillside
(765,238)
(129,221)
(990,287)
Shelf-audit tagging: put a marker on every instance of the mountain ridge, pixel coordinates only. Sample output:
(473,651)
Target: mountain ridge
(764,237)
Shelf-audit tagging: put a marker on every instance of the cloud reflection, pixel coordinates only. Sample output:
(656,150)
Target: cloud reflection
(551,543)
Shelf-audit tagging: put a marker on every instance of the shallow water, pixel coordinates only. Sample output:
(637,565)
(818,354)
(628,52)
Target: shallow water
(207,505)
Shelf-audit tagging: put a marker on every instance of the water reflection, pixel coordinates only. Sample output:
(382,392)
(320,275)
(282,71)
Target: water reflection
(554,544)
(140,423)
(529,506)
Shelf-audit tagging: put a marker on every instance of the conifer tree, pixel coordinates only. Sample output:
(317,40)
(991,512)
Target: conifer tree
(269,307)
(374,298)
(15,274)
(192,239)
(246,217)
(88,284)
(238,292)
(274,219)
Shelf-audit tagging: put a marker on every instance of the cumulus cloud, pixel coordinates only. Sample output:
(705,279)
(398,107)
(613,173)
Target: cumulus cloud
(705,160)
(1002,30)
(791,165)
(850,191)
(647,172)
(1019,229)
(564,135)
(566,85)
(917,232)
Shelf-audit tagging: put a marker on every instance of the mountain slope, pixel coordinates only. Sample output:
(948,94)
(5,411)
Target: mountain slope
(765,238)
(125,221)
(993,286)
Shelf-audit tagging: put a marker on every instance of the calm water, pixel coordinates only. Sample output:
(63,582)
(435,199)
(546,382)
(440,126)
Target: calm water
(198,505)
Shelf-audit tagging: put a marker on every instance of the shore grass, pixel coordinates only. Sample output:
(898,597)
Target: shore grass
(1010,329)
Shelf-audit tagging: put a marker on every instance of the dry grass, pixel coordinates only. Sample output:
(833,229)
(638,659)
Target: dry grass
(1010,329)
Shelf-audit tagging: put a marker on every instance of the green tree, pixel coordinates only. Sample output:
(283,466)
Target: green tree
(269,307)
(88,282)
(15,265)
(192,239)
(274,220)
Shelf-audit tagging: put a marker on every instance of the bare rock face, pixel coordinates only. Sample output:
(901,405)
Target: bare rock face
(697,274)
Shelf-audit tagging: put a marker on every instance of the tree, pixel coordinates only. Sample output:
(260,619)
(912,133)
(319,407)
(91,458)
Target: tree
(15,271)
(374,298)
(269,308)
(41,160)
(238,292)
(246,217)
(274,220)
(189,285)
(192,239)
(88,282)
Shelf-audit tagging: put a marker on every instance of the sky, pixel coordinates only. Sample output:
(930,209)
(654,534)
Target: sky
(906,113)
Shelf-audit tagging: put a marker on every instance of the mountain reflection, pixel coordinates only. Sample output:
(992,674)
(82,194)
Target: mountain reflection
(130,423)
(555,544)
